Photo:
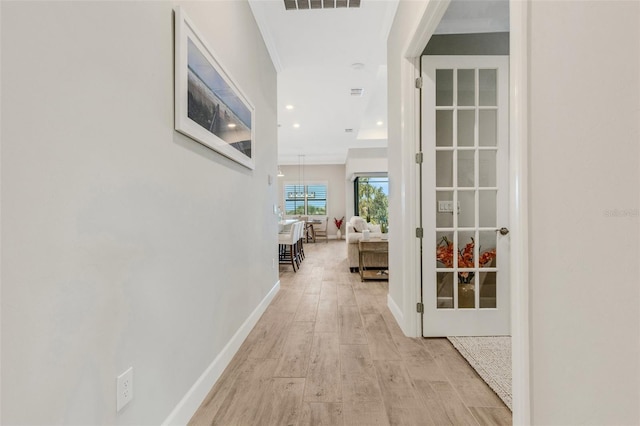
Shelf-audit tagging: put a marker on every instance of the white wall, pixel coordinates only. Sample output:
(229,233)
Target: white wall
(124,243)
(584,223)
(362,160)
(332,174)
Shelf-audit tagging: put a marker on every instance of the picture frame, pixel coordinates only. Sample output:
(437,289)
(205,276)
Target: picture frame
(210,108)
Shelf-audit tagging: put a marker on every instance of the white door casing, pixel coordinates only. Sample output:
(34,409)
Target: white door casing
(465,195)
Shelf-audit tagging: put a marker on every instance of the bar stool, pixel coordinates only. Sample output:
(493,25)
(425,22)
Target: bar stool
(287,243)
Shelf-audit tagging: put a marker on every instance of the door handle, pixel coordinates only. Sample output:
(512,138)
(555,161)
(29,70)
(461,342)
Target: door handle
(503,231)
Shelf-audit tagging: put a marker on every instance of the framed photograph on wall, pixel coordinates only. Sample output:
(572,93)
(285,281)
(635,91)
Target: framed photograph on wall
(209,107)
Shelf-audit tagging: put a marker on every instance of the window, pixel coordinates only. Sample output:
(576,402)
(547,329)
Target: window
(372,199)
(308,199)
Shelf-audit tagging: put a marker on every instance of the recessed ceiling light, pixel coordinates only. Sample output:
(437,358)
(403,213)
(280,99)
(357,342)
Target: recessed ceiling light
(231,125)
(379,123)
(296,125)
(289,107)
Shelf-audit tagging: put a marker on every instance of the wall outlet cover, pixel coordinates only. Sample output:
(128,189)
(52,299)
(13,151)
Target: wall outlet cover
(124,389)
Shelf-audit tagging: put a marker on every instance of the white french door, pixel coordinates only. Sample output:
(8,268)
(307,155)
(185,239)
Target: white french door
(465,195)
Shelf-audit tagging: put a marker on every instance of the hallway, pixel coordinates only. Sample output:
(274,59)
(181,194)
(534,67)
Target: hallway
(328,351)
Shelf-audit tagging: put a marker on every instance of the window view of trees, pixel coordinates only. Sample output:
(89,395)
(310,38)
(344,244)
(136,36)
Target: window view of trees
(372,200)
(305,199)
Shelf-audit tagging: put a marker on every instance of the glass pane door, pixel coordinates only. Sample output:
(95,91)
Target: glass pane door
(466,150)
(465,124)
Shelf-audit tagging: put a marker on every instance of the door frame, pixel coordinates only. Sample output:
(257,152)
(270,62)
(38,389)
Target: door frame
(518,176)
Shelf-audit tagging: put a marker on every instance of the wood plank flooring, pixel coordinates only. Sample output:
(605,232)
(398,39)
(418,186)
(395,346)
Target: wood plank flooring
(327,351)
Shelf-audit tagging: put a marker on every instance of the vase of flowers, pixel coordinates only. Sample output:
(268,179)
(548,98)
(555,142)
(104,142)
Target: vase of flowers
(466,287)
(338,223)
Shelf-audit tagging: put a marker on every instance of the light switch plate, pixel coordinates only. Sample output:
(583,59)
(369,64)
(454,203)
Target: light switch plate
(447,206)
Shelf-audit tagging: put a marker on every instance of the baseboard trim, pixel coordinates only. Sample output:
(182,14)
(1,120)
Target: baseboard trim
(395,311)
(187,407)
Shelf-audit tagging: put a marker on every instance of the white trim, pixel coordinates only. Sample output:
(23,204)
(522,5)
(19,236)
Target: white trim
(410,125)
(259,16)
(519,213)
(188,405)
(431,17)
(395,309)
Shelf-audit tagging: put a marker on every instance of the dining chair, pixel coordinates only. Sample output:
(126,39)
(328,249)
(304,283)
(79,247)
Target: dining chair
(310,232)
(321,229)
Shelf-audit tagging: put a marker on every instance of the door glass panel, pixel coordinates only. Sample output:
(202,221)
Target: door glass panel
(444,289)
(466,87)
(487,83)
(487,168)
(488,290)
(487,249)
(444,209)
(444,87)
(466,292)
(466,279)
(444,169)
(488,122)
(444,128)
(466,127)
(466,168)
(466,211)
(487,206)
(466,243)
(444,249)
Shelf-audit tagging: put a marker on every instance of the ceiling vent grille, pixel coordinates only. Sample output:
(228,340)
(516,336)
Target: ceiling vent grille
(319,4)
(357,92)
(348,130)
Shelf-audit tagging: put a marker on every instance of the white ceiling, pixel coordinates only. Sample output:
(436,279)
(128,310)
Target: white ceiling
(314,52)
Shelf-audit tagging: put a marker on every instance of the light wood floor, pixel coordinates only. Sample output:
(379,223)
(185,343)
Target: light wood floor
(327,351)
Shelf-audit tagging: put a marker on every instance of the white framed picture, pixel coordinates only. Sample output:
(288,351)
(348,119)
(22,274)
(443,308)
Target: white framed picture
(209,107)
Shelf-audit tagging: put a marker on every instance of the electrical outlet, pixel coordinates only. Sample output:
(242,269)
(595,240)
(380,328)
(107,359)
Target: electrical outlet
(124,389)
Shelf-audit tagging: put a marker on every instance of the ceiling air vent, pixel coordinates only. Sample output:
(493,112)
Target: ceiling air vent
(357,91)
(319,4)
(348,130)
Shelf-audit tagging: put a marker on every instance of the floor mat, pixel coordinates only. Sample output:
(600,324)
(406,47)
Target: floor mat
(491,358)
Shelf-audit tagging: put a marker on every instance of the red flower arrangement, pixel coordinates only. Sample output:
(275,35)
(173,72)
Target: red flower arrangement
(338,222)
(444,254)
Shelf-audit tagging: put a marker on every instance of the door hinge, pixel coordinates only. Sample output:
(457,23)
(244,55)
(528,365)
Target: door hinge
(419,83)
(420,308)
(419,157)
(419,232)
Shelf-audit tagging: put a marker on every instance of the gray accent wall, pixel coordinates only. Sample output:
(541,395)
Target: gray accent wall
(468,44)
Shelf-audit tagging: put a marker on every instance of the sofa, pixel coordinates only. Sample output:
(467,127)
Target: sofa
(354,234)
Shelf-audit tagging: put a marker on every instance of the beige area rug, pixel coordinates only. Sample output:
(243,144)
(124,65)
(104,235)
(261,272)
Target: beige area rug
(491,358)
